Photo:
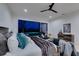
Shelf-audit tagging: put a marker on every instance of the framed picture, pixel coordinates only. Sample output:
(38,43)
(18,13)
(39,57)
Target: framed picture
(67,28)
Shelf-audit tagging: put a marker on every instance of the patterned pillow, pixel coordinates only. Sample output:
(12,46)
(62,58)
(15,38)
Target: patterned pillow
(23,41)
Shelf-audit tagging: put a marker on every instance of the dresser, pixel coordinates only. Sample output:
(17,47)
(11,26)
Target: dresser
(68,37)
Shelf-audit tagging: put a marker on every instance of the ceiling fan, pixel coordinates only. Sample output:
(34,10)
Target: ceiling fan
(50,8)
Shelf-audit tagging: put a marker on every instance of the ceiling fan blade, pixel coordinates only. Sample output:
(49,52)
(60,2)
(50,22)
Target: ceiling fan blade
(44,10)
(52,4)
(54,11)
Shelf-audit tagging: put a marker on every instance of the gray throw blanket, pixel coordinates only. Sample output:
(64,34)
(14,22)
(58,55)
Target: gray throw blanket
(3,45)
(45,46)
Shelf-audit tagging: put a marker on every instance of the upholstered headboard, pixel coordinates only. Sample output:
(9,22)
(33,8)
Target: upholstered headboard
(33,33)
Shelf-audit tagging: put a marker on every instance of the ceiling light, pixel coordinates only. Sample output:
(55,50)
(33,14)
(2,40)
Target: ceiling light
(25,10)
(50,16)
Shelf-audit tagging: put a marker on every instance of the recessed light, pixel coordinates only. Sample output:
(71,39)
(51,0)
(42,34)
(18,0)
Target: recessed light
(50,16)
(25,10)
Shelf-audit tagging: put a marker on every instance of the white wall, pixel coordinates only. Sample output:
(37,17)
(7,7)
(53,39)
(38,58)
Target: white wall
(5,16)
(57,25)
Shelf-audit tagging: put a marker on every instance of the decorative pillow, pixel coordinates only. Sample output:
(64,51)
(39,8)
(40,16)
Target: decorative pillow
(23,41)
(13,44)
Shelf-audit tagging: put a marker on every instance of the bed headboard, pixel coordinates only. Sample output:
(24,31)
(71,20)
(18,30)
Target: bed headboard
(33,33)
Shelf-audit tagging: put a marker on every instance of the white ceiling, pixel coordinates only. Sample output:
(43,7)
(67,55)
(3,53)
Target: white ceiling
(17,9)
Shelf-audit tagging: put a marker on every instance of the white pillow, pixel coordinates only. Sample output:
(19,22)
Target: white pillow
(12,43)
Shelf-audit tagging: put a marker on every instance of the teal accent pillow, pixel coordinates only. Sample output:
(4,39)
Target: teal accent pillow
(23,41)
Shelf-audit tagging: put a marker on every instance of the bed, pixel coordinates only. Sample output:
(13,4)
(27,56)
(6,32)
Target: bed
(11,45)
